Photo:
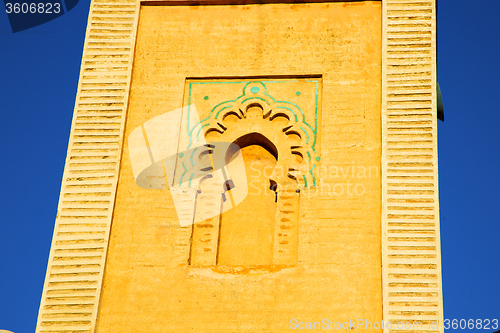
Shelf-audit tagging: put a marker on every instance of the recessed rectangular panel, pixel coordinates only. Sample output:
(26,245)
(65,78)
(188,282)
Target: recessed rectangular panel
(297,88)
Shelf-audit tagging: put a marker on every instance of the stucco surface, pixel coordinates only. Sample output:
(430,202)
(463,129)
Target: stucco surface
(149,285)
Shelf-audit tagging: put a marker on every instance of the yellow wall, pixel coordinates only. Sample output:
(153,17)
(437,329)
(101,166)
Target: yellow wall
(148,287)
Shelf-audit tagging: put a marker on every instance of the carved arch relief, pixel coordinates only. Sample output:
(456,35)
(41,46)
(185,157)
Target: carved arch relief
(276,142)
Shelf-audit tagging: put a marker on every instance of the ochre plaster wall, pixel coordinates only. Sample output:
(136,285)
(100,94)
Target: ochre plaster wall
(148,286)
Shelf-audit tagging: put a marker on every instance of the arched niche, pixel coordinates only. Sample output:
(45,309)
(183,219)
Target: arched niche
(269,140)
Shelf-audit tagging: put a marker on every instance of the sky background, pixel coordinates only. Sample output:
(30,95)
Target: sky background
(39,71)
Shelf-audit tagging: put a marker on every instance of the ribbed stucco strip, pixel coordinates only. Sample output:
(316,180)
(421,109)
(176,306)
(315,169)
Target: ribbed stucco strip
(410,213)
(78,253)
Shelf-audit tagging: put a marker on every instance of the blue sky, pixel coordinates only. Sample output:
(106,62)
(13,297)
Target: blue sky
(39,71)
